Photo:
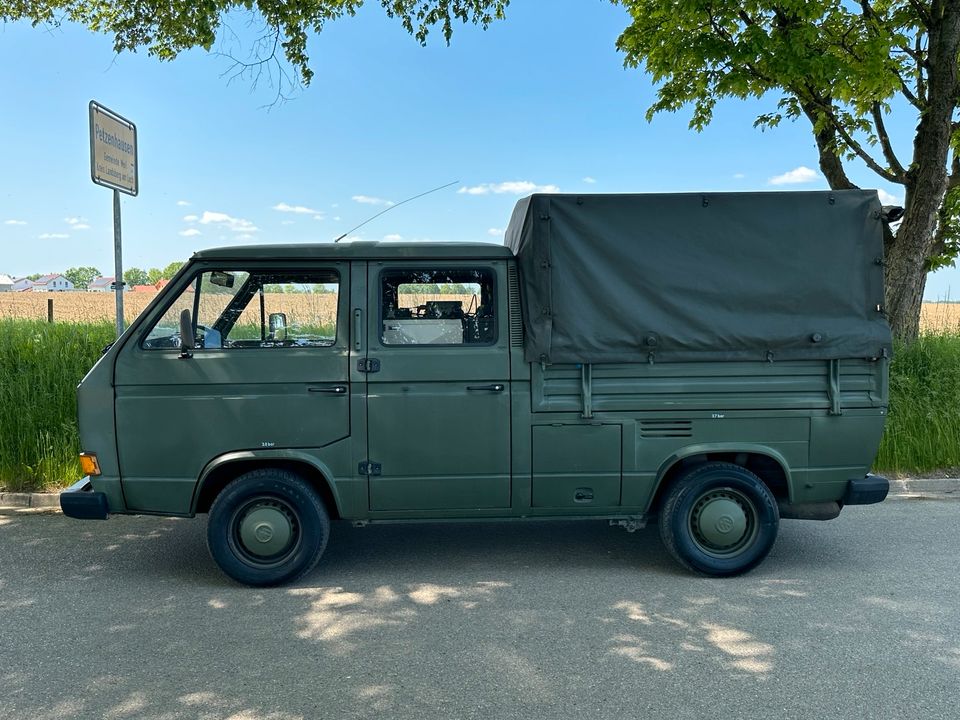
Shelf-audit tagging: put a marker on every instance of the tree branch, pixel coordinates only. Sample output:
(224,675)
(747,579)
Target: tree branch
(907,93)
(895,166)
(953,180)
(826,109)
(922,13)
(830,163)
(921,84)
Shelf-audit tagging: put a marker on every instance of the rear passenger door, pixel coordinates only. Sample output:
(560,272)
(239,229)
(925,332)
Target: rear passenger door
(438,387)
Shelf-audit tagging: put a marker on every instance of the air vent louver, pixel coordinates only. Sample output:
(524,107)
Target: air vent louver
(513,299)
(653,429)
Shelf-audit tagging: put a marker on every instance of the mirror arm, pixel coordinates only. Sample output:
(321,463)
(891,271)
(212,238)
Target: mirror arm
(186,335)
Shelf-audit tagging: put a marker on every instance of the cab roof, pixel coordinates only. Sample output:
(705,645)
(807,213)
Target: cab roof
(359,250)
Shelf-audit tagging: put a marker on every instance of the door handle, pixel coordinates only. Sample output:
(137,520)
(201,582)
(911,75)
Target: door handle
(357,329)
(333,389)
(497,387)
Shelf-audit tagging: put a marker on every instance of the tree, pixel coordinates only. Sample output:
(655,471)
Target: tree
(135,276)
(166,29)
(844,67)
(154,275)
(34,276)
(81,276)
(170,270)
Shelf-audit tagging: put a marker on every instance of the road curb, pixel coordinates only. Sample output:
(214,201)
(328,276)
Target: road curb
(30,500)
(900,488)
(925,488)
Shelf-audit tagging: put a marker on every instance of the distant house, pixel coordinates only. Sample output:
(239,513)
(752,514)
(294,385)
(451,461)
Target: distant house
(51,283)
(100,284)
(161,283)
(22,285)
(6,283)
(144,288)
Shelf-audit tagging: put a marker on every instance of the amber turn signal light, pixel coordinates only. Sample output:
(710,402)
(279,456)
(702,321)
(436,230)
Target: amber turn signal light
(88,461)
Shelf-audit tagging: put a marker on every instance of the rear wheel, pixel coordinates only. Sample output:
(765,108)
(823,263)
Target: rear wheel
(267,527)
(719,519)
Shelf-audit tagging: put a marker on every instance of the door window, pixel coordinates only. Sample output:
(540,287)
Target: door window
(438,307)
(236,309)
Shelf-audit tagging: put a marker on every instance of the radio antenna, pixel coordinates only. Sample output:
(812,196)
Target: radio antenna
(374,217)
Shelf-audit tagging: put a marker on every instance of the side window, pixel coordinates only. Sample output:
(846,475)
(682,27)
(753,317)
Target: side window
(236,309)
(438,307)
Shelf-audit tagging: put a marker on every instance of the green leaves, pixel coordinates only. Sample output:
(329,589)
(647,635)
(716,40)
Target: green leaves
(81,276)
(165,28)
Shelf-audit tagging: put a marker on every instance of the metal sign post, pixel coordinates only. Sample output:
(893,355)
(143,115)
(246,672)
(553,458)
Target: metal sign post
(117,261)
(113,164)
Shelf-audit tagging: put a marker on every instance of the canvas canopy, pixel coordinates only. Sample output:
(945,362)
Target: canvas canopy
(697,277)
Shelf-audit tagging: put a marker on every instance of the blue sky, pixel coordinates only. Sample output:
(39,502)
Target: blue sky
(539,101)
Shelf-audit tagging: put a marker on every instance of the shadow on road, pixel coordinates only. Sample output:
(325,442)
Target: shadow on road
(567,619)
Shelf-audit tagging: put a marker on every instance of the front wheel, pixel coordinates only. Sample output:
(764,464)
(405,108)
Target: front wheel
(719,519)
(267,527)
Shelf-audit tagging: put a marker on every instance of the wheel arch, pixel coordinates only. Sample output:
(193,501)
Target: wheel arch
(221,470)
(765,462)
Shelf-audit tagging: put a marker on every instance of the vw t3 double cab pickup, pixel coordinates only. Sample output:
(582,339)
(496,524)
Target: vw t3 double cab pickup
(712,362)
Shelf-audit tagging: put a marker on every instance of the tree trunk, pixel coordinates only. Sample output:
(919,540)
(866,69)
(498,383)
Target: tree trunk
(926,186)
(907,253)
(906,278)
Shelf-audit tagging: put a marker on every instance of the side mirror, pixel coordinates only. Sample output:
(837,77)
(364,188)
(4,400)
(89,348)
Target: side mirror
(278,326)
(891,213)
(186,334)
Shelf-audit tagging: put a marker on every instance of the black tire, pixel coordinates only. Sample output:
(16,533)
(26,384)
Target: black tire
(267,527)
(719,519)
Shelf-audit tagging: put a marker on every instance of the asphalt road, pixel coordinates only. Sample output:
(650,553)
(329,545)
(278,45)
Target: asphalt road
(853,618)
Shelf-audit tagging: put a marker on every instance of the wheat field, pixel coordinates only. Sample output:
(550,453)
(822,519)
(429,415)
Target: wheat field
(935,318)
(83,307)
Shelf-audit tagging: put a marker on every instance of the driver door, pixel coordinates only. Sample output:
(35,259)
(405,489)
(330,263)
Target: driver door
(270,370)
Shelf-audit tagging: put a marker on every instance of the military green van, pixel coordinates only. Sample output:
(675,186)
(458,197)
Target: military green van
(714,362)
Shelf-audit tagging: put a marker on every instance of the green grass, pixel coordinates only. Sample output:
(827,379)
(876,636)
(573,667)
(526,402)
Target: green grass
(40,367)
(923,428)
(41,364)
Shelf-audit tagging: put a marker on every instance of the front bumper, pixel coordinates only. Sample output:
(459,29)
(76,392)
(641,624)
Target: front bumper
(81,501)
(866,490)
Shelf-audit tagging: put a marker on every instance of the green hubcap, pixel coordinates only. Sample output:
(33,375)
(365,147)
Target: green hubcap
(723,522)
(266,530)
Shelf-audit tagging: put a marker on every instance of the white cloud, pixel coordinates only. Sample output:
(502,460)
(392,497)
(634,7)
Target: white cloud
(513,187)
(738,176)
(53,236)
(393,237)
(886,198)
(367,200)
(589,180)
(77,223)
(245,236)
(80,226)
(287,222)
(337,218)
(14,222)
(495,232)
(190,232)
(183,203)
(190,218)
(224,220)
(796,176)
(298,209)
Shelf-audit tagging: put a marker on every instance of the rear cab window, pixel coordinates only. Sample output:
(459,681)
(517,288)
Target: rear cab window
(425,306)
